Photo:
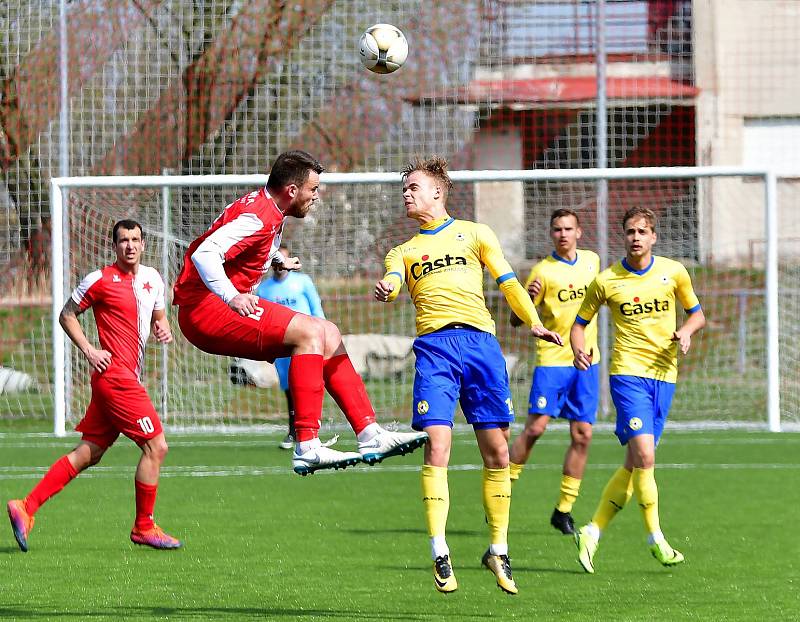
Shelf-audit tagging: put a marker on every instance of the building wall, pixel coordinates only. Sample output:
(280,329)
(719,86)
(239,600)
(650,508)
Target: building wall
(746,67)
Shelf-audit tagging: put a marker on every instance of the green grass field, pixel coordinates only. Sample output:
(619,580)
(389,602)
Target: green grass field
(264,544)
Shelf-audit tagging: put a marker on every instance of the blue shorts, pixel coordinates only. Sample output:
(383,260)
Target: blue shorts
(282,367)
(565,392)
(463,364)
(642,405)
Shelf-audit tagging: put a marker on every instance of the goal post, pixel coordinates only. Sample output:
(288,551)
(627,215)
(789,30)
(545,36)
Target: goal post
(344,241)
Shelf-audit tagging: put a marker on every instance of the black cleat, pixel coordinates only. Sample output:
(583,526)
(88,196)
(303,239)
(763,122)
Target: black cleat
(443,577)
(563,522)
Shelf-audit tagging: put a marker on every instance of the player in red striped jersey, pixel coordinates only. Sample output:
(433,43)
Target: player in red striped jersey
(220,314)
(128,301)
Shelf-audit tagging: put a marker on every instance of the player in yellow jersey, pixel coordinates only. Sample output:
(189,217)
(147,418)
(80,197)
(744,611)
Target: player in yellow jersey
(642,291)
(457,355)
(558,285)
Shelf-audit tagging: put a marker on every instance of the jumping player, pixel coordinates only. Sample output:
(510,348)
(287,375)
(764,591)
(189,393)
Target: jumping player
(219,315)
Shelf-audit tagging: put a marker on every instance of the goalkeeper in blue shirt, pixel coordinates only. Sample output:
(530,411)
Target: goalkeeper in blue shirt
(294,290)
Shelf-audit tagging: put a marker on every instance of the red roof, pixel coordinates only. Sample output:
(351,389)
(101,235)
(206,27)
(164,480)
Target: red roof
(558,90)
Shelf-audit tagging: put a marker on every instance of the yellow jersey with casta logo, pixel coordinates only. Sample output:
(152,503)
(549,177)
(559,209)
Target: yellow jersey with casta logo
(564,285)
(443,268)
(643,306)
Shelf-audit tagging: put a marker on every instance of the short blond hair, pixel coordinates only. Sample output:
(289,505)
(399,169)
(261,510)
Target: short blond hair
(436,167)
(640,212)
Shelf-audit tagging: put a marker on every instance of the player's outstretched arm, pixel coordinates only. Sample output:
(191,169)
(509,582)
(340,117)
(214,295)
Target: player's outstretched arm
(693,323)
(98,359)
(577,339)
(533,288)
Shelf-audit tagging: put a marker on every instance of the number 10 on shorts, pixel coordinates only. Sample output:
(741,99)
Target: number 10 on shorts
(146,424)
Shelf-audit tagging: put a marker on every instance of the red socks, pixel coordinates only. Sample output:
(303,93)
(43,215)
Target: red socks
(347,388)
(308,391)
(145,504)
(59,475)
(62,473)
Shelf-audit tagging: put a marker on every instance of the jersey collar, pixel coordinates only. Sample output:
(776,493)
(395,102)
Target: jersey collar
(629,268)
(558,257)
(268,196)
(437,225)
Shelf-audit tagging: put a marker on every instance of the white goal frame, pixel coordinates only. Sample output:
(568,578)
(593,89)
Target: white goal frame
(60,185)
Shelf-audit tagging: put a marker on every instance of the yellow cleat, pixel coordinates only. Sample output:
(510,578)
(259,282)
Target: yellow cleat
(500,565)
(443,576)
(665,554)
(587,546)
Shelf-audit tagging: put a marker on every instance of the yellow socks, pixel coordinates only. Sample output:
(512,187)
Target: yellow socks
(644,485)
(497,503)
(615,495)
(515,470)
(435,498)
(569,492)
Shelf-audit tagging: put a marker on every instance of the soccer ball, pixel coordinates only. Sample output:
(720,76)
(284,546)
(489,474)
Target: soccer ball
(383,48)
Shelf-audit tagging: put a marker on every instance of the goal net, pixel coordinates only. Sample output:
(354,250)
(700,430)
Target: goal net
(714,224)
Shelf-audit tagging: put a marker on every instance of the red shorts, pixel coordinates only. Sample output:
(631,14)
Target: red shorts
(120,405)
(214,327)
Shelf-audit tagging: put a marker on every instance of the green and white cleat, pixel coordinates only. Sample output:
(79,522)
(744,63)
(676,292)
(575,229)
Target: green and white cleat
(587,546)
(321,456)
(386,444)
(665,554)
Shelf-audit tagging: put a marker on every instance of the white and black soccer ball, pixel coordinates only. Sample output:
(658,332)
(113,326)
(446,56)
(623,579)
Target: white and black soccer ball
(383,48)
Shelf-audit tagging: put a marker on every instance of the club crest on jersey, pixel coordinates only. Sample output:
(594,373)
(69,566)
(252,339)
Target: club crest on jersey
(665,279)
(422,407)
(460,237)
(635,424)
(426,265)
(637,307)
(541,402)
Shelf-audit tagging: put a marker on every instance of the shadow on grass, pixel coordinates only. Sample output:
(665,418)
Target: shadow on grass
(208,613)
(419,532)
(8,550)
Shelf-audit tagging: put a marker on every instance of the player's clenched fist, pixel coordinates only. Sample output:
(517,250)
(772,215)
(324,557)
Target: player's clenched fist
(244,304)
(534,287)
(100,360)
(162,331)
(382,290)
(583,361)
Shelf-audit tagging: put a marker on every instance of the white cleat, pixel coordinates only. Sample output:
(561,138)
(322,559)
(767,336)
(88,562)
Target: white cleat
(323,457)
(386,444)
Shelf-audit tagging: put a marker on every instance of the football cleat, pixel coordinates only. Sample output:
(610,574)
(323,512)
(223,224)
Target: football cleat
(154,537)
(386,444)
(587,546)
(287,442)
(443,576)
(323,457)
(21,522)
(563,522)
(500,565)
(665,554)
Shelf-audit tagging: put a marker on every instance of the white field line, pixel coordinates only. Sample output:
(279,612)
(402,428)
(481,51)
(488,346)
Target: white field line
(554,437)
(35,472)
